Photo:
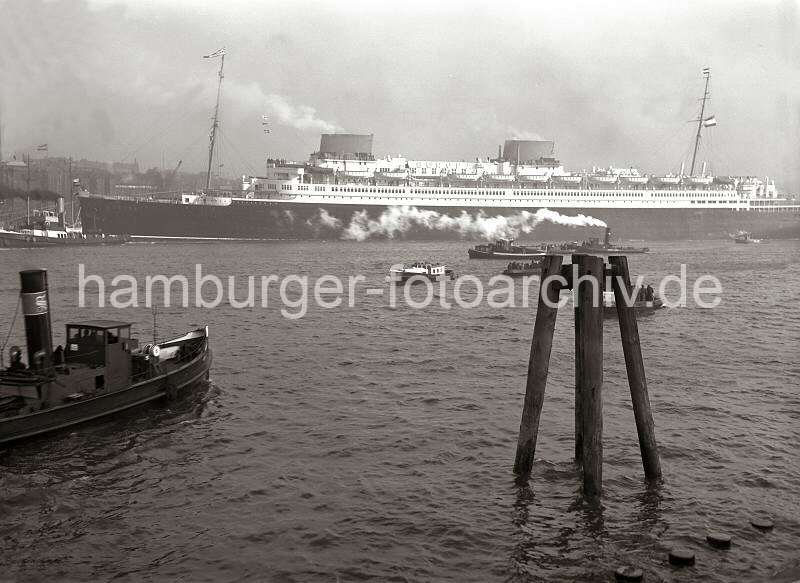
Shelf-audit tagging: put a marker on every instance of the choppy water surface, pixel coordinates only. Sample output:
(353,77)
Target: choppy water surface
(376,443)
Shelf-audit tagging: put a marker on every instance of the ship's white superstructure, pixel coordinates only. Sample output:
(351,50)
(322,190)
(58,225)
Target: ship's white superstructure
(396,182)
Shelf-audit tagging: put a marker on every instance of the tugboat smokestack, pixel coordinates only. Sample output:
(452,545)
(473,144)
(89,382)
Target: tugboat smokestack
(36,309)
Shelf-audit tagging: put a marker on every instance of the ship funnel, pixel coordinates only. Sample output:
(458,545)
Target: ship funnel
(36,309)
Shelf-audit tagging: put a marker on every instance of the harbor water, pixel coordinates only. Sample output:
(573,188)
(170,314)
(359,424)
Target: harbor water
(375,443)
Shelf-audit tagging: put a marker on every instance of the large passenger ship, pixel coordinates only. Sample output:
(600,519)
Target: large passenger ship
(344,191)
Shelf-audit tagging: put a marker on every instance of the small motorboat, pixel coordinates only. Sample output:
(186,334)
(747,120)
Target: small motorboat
(100,370)
(420,271)
(744,238)
(646,302)
(522,269)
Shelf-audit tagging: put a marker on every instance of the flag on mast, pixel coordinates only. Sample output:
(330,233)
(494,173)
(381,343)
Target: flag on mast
(41,148)
(217,53)
(709,121)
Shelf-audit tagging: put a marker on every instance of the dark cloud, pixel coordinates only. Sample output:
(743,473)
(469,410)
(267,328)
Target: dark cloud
(610,82)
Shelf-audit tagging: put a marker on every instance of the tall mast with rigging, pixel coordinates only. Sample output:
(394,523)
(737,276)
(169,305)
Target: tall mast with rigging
(706,74)
(215,123)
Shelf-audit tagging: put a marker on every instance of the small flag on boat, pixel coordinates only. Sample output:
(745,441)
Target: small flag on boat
(217,53)
(709,121)
(706,70)
(41,148)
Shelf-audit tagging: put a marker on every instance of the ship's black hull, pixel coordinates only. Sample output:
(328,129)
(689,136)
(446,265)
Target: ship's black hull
(281,220)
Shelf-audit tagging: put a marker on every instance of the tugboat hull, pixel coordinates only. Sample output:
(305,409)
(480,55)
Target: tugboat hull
(169,385)
(13,240)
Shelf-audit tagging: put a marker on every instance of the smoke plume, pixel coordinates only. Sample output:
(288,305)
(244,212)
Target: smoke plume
(400,219)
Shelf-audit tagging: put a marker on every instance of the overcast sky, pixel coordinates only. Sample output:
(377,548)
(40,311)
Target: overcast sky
(609,82)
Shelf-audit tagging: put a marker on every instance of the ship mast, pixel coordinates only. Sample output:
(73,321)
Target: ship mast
(215,122)
(706,74)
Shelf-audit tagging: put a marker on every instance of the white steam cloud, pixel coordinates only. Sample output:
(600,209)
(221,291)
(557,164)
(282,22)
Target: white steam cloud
(328,221)
(301,117)
(250,96)
(399,219)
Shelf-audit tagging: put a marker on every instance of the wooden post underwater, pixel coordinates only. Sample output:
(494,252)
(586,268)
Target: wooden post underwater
(629,331)
(589,368)
(538,363)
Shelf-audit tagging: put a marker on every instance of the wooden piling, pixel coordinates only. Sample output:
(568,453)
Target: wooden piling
(578,395)
(538,364)
(629,331)
(589,369)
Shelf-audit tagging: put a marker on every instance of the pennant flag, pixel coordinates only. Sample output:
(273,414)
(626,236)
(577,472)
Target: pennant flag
(706,70)
(709,121)
(217,53)
(41,148)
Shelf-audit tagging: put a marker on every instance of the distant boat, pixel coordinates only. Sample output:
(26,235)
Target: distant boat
(522,269)
(595,245)
(420,270)
(743,237)
(505,249)
(46,228)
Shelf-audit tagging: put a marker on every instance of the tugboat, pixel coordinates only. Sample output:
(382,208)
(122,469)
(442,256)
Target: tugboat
(46,228)
(505,249)
(420,270)
(647,302)
(595,245)
(102,369)
(743,237)
(521,269)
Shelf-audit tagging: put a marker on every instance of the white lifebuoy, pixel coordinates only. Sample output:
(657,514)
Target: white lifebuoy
(155,350)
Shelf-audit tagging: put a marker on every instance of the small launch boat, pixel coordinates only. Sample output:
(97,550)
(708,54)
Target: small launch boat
(100,370)
(743,237)
(420,271)
(646,302)
(521,269)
